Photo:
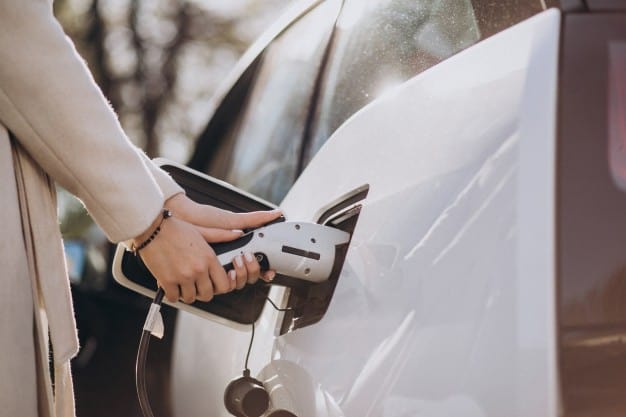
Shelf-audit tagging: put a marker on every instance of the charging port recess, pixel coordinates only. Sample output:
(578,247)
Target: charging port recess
(307,304)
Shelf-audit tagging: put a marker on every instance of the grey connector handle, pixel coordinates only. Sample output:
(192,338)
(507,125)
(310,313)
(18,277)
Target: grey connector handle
(295,249)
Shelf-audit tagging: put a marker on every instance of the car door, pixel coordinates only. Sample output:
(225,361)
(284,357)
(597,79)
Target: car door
(425,305)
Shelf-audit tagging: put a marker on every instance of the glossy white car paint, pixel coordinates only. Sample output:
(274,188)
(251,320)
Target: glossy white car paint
(445,306)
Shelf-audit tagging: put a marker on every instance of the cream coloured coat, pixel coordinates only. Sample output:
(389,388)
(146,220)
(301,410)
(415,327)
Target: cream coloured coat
(62,129)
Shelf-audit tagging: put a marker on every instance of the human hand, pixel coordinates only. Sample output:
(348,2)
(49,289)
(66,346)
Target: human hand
(217,225)
(182,262)
(179,259)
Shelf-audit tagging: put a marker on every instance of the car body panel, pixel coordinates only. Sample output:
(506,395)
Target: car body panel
(445,306)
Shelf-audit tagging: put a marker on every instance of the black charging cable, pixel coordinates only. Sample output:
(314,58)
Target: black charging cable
(142,354)
(245,366)
(144,342)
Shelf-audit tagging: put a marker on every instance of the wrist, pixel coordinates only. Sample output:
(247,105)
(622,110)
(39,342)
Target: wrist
(144,239)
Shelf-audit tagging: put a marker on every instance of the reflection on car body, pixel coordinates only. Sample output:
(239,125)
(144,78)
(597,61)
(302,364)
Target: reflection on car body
(476,283)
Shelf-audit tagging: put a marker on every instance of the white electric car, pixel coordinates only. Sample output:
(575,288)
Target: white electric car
(481,146)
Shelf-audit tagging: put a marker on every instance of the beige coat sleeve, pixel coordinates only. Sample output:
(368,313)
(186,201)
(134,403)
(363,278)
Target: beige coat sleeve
(49,100)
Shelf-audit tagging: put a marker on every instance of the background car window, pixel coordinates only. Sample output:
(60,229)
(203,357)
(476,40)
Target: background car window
(260,149)
(380,44)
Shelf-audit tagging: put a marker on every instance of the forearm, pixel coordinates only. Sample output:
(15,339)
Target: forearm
(49,100)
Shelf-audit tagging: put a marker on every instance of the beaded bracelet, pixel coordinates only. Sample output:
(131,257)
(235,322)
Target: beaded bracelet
(135,249)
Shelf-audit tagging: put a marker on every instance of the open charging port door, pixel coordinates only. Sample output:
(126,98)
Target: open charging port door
(243,306)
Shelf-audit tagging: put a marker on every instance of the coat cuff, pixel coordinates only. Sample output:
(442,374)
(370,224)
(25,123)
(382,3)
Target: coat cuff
(168,186)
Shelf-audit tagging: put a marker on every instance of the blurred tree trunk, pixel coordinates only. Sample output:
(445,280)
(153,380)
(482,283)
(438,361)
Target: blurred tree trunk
(94,36)
(154,82)
(139,53)
(157,86)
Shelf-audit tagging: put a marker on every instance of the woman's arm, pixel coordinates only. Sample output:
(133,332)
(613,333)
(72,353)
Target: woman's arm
(49,100)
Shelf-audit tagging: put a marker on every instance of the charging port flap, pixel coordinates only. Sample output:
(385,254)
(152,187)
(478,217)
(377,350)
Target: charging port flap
(242,306)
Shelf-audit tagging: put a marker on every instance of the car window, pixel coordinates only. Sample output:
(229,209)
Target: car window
(262,144)
(316,75)
(380,44)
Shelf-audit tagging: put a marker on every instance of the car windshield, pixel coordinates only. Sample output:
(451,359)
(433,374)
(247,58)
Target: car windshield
(379,45)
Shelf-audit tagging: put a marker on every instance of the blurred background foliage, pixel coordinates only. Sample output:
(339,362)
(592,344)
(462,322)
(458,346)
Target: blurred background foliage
(159,61)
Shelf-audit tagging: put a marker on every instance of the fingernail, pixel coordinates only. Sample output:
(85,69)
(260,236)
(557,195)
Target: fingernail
(237,231)
(271,275)
(232,275)
(248,256)
(239,261)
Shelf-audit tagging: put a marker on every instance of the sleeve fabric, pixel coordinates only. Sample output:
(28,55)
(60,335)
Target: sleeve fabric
(168,186)
(50,101)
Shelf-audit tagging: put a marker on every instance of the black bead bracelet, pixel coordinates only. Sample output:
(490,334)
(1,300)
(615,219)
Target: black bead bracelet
(135,249)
